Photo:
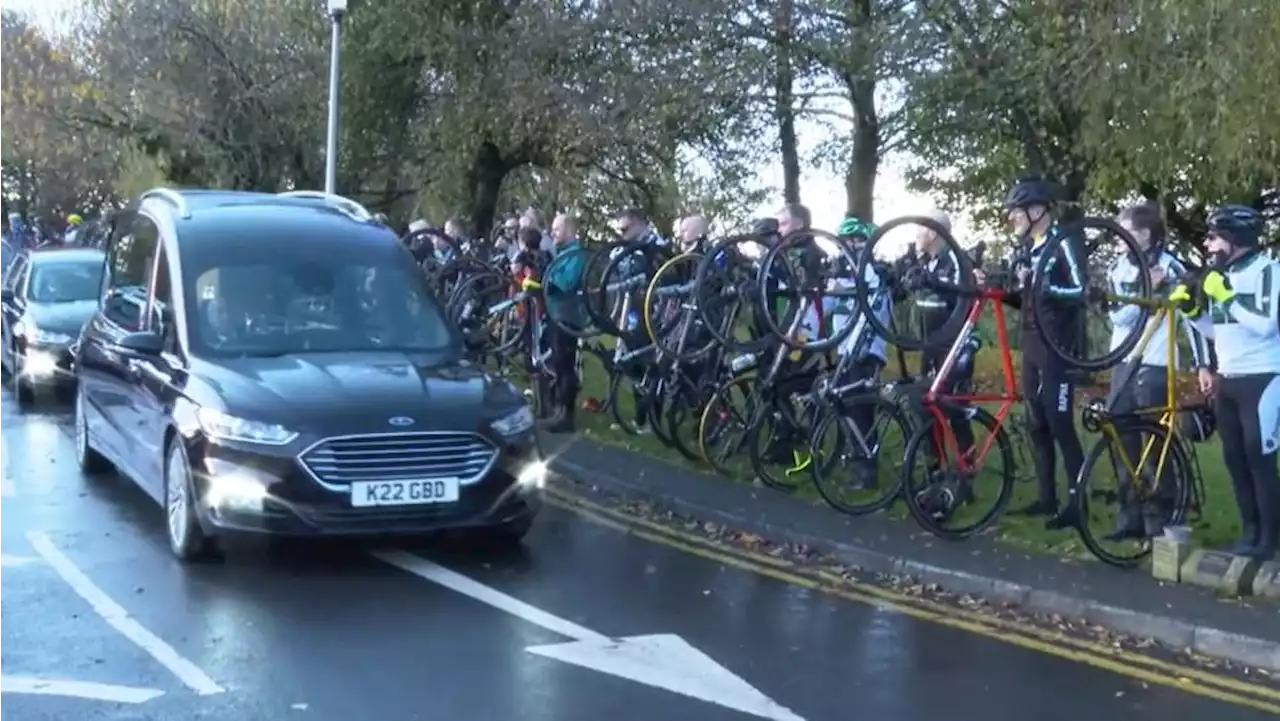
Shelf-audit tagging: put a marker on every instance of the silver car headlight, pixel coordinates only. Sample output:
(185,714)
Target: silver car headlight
(514,423)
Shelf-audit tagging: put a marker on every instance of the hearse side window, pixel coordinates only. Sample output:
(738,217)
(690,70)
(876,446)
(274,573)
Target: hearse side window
(129,266)
(161,298)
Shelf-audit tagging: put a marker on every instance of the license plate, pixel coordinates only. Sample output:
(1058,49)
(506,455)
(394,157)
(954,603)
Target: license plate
(404,493)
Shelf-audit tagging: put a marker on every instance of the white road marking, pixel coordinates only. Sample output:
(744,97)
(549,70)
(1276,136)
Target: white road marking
(119,619)
(7,560)
(663,661)
(77,689)
(7,489)
(436,573)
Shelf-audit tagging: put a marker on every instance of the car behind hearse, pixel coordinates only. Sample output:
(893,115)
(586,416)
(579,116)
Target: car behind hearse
(49,294)
(276,364)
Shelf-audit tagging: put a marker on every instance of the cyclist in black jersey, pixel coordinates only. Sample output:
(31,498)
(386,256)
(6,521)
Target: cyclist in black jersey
(1047,382)
(936,309)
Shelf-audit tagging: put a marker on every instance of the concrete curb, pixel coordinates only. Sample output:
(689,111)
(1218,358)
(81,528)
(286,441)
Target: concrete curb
(1175,632)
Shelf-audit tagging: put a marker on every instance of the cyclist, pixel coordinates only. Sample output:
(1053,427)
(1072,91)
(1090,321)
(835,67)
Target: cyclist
(561,284)
(1241,291)
(935,310)
(1145,382)
(1047,384)
(693,234)
(872,358)
(74,222)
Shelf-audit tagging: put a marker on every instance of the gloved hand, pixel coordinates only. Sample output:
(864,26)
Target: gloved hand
(529,284)
(1217,286)
(1186,298)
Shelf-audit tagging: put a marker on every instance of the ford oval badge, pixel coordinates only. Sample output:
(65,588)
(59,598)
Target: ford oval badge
(400,421)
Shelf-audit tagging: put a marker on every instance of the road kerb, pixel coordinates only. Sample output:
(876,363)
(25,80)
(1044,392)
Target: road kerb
(1177,633)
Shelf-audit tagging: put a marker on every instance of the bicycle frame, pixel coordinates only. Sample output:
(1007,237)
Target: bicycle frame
(1164,314)
(935,397)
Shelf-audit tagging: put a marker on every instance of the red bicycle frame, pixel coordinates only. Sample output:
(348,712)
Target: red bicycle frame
(944,437)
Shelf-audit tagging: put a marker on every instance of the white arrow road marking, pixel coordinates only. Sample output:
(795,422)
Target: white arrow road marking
(119,619)
(77,689)
(664,661)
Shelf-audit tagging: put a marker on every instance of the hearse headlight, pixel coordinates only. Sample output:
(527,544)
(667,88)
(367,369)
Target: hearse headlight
(227,427)
(514,423)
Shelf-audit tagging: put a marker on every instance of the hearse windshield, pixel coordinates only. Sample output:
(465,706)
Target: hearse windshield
(272,303)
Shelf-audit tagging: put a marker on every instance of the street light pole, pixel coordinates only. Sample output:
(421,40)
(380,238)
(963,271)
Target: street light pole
(337,8)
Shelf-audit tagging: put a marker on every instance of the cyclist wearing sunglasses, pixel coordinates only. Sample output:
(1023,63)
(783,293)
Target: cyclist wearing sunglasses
(1241,291)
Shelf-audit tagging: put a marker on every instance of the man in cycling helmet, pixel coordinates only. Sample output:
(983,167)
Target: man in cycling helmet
(1144,382)
(1241,294)
(1047,383)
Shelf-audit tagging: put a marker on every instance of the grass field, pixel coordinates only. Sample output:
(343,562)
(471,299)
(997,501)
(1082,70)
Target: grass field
(1218,524)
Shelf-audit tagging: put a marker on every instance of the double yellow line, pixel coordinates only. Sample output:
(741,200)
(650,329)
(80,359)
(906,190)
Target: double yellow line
(1026,635)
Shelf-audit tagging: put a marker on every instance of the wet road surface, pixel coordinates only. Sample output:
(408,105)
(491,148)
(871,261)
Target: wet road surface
(584,623)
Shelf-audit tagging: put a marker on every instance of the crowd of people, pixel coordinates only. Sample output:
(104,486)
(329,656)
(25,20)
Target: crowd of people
(1230,314)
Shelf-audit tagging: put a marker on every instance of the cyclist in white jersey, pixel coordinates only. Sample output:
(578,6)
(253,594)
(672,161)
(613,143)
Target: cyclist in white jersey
(1242,296)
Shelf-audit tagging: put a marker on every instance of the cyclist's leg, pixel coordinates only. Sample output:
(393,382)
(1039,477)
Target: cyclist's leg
(564,361)
(1247,422)
(864,418)
(960,381)
(1043,452)
(1056,400)
(1130,390)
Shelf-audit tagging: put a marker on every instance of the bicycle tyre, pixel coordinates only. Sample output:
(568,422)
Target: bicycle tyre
(780,252)
(503,346)
(708,416)
(711,291)
(595,296)
(867,267)
(822,479)
(1085,492)
(571,322)
(777,408)
(1043,322)
(690,318)
(920,450)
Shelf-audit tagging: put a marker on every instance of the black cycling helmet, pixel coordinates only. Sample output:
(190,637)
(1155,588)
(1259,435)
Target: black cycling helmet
(1028,191)
(1239,224)
(765,227)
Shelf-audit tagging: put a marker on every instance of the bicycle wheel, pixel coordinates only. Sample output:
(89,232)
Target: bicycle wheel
(864,485)
(780,434)
(629,403)
(944,501)
(802,280)
(670,316)
(1073,324)
(680,415)
(727,296)
(725,420)
(1101,492)
(915,290)
(568,309)
(482,308)
(596,296)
